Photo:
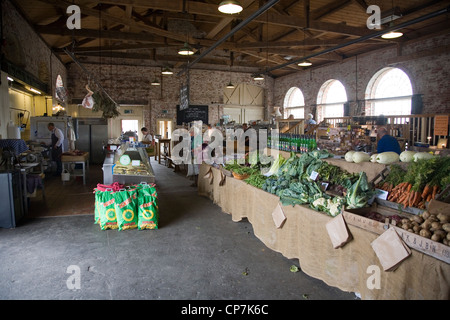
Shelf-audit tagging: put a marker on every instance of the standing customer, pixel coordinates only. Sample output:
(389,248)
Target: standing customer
(387,142)
(57,146)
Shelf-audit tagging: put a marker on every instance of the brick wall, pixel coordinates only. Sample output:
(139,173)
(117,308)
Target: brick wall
(427,63)
(26,49)
(130,84)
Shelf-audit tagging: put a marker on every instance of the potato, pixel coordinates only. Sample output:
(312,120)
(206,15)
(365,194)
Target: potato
(417,228)
(446,227)
(436,237)
(404,220)
(425,233)
(443,218)
(425,215)
(448,236)
(418,219)
(441,233)
(426,225)
(435,226)
(432,218)
(406,226)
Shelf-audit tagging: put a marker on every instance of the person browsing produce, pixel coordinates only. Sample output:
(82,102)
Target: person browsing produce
(387,142)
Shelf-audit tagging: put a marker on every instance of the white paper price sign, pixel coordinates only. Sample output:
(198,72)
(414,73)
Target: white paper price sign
(136,163)
(314,175)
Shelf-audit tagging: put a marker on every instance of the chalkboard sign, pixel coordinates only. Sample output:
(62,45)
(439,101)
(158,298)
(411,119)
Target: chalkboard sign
(184,97)
(193,113)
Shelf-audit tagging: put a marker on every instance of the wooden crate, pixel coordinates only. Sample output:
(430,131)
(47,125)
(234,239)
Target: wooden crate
(356,218)
(414,241)
(427,246)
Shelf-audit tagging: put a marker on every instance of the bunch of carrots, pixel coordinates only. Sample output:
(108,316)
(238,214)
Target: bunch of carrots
(406,195)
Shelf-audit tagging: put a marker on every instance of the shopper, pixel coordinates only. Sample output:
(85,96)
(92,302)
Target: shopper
(57,146)
(387,142)
(146,136)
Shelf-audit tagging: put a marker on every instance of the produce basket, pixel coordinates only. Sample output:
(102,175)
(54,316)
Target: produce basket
(240,176)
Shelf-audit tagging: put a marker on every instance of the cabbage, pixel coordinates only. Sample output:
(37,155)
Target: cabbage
(422,155)
(387,157)
(360,156)
(349,156)
(407,156)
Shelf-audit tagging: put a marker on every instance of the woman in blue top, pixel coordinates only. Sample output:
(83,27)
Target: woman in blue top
(387,142)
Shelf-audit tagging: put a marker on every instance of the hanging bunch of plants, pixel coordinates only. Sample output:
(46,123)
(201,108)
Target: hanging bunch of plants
(104,104)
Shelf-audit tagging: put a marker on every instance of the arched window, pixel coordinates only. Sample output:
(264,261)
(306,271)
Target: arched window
(389,92)
(331,99)
(294,104)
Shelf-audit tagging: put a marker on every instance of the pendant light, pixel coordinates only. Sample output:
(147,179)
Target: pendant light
(166,71)
(394,33)
(258,77)
(186,50)
(155,82)
(230,7)
(230,85)
(304,63)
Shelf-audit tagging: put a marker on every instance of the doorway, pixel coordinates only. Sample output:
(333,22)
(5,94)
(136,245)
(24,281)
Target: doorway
(164,128)
(130,125)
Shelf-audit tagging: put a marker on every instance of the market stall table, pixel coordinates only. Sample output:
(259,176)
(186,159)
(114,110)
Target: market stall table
(304,236)
(166,144)
(82,159)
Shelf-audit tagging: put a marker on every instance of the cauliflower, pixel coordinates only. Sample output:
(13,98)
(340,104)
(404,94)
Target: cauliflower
(320,202)
(334,208)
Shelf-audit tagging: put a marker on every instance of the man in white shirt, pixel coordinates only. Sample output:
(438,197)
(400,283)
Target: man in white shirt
(57,146)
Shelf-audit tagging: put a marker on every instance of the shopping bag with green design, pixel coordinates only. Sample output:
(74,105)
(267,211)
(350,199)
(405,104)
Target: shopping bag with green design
(126,208)
(107,211)
(148,212)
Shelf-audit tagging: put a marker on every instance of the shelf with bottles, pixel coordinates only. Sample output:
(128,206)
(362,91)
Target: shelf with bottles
(297,143)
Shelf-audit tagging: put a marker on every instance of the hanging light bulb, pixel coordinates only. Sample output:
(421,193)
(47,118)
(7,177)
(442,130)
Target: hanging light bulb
(230,7)
(186,50)
(155,82)
(305,63)
(166,70)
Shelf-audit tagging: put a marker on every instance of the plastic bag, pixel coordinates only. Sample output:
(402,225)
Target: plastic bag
(107,211)
(126,208)
(98,200)
(148,212)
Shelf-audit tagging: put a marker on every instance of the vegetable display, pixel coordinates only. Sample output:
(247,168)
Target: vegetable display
(419,183)
(294,182)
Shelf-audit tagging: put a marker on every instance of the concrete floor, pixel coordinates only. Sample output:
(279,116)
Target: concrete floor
(198,253)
